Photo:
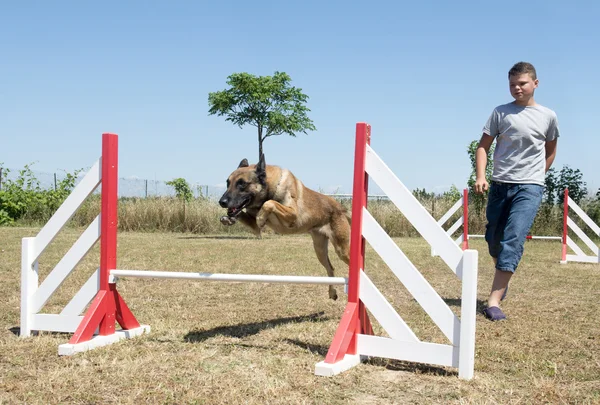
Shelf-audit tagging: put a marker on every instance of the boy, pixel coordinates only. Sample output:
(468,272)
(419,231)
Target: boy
(526,135)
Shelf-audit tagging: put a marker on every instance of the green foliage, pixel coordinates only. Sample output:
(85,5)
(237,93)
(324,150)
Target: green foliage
(23,198)
(478,200)
(423,194)
(182,189)
(453,194)
(551,187)
(573,180)
(269,103)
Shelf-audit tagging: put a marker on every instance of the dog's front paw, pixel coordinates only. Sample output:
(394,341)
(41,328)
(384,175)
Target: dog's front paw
(261,221)
(225,220)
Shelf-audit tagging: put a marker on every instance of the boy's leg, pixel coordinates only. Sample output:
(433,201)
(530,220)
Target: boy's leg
(525,202)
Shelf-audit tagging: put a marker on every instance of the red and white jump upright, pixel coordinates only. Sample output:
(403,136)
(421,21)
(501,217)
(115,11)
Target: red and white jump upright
(354,337)
(107,306)
(97,327)
(567,242)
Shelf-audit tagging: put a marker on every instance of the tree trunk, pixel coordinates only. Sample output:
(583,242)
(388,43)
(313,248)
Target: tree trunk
(260,142)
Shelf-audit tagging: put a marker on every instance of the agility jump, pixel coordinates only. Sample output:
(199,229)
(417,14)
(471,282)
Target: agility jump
(567,241)
(354,338)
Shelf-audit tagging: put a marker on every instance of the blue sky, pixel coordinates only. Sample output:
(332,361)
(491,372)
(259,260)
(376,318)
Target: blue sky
(426,75)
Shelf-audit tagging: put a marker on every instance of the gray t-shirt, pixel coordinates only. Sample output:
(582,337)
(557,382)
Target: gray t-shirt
(521,134)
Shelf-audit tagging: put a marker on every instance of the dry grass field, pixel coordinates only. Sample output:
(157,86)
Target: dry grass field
(216,343)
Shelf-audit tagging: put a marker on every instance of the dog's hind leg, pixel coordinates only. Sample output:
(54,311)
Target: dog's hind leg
(340,238)
(320,243)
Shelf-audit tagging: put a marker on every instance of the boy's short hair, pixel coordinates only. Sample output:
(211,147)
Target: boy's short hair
(522,67)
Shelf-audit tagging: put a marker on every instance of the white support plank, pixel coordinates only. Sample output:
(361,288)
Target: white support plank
(29,284)
(385,314)
(60,218)
(410,207)
(468,312)
(56,323)
(84,296)
(422,352)
(455,226)
(593,247)
(571,243)
(583,259)
(460,239)
(584,216)
(66,265)
(450,212)
(68,349)
(412,279)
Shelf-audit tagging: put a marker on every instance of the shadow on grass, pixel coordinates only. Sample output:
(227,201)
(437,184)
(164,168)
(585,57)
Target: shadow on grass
(249,329)
(416,368)
(316,349)
(455,302)
(231,237)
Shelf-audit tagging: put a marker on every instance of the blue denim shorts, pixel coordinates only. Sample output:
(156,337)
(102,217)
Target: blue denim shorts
(510,212)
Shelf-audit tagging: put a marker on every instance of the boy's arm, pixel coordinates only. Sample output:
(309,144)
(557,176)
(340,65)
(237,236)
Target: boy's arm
(481,154)
(550,153)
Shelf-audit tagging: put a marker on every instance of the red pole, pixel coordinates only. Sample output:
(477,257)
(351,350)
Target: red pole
(354,319)
(108,306)
(465,244)
(108,224)
(565,225)
(359,201)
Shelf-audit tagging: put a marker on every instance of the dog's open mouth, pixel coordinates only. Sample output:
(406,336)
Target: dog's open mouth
(234,212)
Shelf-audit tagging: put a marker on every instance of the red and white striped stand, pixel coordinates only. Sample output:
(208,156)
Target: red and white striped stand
(107,306)
(566,241)
(354,339)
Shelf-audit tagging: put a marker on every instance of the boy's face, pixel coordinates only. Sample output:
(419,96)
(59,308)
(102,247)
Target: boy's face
(522,87)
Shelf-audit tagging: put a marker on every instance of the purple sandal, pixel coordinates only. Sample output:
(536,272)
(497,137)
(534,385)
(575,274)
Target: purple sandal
(494,314)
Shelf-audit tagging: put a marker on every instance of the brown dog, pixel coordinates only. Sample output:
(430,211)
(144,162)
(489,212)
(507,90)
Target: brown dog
(274,197)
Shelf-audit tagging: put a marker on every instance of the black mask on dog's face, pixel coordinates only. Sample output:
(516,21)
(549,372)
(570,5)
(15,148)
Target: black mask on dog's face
(243,185)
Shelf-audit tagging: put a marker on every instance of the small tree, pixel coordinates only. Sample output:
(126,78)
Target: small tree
(269,103)
(182,189)
(478,200)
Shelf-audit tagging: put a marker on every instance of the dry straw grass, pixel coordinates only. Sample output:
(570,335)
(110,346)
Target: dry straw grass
(216,343)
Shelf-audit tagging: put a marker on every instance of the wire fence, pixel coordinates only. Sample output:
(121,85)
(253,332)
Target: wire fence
(146,188)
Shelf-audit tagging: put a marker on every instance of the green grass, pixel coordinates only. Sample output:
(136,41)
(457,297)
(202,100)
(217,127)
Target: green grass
(218,343)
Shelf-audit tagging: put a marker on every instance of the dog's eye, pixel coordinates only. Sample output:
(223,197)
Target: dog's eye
(241,184)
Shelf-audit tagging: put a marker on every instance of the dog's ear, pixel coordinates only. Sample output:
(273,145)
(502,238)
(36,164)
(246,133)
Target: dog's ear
(261,171)
(243,163)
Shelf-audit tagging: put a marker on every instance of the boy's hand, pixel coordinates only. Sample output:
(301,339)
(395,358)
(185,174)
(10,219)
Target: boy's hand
(481,186)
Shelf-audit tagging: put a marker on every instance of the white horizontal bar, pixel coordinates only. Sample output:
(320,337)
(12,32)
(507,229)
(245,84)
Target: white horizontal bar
(259,278)
(547,237)
(476,236)
(583,259)
(56,323)
(422,352)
